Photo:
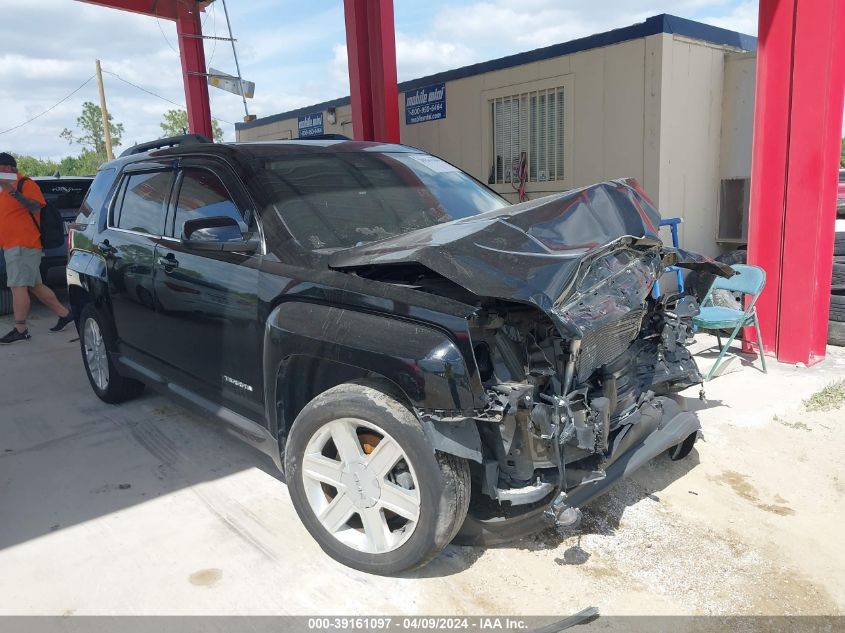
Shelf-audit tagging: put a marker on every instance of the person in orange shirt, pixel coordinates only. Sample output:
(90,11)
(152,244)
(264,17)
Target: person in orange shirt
(20,240)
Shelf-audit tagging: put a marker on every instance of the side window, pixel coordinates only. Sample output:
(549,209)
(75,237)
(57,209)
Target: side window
(145,198)
(203,195)
(96,197)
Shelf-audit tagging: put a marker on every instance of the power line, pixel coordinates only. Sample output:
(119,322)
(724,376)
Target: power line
(207,16)
(37,116)
(150,92)
(214,26)
(167,41)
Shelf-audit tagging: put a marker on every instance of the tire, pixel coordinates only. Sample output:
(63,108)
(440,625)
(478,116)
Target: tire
(839,243)
(699,283)
(838,277)
(433,490)
(5,301)
(97,342)
(836,333)
(837,308)
(679,451)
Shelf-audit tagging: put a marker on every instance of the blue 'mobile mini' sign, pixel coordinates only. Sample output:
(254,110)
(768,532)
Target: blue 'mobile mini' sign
(425,104)
(310,125)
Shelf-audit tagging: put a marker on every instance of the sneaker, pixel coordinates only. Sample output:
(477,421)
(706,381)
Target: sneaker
(62,322)
(14,336)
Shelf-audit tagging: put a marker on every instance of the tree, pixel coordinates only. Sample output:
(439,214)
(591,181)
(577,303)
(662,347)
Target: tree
(175,123)
(31,166)
(90,124)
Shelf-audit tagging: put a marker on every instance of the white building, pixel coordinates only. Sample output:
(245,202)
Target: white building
(668,101)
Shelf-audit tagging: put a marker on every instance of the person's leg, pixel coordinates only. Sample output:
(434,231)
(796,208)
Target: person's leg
(46,296)
(20,306)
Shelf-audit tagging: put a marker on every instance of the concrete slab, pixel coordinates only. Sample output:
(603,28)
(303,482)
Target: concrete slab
(144,508)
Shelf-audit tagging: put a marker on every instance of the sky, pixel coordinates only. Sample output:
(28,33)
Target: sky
(294,51)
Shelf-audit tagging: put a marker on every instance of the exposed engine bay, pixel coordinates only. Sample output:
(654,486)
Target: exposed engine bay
(564,408)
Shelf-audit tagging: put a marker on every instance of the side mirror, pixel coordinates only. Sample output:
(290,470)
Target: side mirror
(219,233)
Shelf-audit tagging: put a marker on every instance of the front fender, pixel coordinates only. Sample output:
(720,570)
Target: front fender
(422,361)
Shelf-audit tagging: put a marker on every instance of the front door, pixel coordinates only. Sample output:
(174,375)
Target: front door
(207,301)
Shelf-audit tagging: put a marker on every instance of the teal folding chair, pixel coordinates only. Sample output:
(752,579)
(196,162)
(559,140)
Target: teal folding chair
(749,280)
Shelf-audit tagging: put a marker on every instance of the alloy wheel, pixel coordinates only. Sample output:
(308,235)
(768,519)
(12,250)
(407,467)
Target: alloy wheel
(361,485)
(96,355)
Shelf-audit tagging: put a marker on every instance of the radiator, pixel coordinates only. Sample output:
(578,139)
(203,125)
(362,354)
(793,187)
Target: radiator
(607,343)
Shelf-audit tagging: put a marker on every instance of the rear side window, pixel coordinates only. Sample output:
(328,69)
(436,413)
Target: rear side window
(144,199)
(203,195)
(97,194)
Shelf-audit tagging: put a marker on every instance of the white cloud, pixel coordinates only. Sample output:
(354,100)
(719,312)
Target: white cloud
(296,57)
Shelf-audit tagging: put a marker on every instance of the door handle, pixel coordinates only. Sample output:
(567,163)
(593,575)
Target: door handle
(106,248)
(168,262)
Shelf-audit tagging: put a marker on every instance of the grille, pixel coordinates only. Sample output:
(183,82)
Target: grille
(607,343)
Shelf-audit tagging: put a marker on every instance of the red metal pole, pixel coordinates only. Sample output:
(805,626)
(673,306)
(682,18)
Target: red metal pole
(189,28)
(371,48)
(797,124)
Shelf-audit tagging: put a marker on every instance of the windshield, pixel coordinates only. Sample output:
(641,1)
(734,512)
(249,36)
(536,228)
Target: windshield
(344,199)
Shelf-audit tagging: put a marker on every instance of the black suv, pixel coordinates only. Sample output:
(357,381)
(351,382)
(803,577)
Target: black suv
(422,359)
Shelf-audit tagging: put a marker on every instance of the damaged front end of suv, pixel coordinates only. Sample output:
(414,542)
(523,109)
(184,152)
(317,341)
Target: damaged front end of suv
(578,360)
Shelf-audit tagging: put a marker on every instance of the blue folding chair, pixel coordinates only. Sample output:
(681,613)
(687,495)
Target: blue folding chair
(672,223)
(749,280)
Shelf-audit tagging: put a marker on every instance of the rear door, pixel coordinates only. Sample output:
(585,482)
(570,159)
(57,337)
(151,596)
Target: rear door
(207,301)
(135,224)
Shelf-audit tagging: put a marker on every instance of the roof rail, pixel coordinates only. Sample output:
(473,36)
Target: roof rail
(171,141)
(326,137)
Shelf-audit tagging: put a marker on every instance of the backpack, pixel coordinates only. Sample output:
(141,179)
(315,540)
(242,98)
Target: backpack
(51,227)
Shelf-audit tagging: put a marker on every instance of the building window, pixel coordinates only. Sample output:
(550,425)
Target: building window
(529,124)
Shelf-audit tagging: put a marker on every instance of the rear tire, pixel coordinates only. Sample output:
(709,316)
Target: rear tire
(341,492)
(97,342)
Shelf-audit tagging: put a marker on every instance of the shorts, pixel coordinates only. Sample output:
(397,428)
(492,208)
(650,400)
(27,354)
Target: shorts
(23,266)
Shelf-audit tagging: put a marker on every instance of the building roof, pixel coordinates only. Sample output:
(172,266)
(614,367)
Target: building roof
(663,23)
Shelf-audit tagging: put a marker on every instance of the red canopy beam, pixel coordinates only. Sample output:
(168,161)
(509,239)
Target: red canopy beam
(189,29)
(797,124)
(186,14)
(371,47)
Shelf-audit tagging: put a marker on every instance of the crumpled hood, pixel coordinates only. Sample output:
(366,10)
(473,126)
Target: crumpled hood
(528,252)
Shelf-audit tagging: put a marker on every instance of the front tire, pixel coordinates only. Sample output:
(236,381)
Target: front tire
(97,341)
(367,484)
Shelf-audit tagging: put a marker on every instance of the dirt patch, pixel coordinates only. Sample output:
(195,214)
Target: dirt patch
(744,489)
(206,577)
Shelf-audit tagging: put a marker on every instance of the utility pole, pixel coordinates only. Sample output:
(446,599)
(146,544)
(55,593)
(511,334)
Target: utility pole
(104,112)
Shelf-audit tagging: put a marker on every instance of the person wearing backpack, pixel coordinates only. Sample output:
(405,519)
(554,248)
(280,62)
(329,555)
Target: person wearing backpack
(21,202)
